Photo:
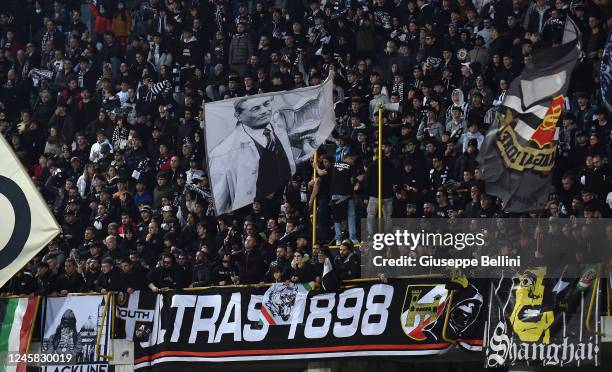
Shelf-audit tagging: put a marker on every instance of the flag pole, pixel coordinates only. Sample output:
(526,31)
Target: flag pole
(380,155)
(314,201)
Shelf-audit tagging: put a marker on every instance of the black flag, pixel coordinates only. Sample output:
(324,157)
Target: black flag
(518,154)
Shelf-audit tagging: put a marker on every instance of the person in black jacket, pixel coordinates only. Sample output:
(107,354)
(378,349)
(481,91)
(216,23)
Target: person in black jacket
(224,272)
(92,273)
(165,277)
(185,271)
(347,264)
(23,283)
(45,281)
(202,271)
(133,276)
(109,279)
(70,281)
(250,263)
(280,262)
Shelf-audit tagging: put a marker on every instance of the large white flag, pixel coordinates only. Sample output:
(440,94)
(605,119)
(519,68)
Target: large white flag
(26,225)
(253,143)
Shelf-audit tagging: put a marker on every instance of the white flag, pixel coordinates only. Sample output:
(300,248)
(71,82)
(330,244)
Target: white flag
(284,303)
(253,143)
(26,225)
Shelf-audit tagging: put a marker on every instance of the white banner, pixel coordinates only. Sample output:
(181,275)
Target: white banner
(254,143)
(75,325)
(27,225)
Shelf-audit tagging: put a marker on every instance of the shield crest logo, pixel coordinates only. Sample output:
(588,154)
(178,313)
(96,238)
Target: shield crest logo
(423,306)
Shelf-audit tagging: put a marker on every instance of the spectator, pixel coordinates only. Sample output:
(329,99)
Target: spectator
(70,281)
(165,277)
(347,264)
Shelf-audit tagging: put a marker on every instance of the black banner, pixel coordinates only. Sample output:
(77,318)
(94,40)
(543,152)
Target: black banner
(403,317)
(535,320)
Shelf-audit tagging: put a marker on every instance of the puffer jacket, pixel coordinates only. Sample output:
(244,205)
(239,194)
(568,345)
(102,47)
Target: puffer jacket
(240,49)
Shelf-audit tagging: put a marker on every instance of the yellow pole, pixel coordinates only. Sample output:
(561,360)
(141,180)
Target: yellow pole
(380,155)
(314,202)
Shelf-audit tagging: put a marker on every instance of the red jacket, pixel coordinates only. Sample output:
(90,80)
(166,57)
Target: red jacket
(103,23)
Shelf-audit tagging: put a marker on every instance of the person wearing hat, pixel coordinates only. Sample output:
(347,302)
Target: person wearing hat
(162,189)
(194,172)
(240,49)
(457,125)
(327,279)
(169,223)
(467,80)
(217,83)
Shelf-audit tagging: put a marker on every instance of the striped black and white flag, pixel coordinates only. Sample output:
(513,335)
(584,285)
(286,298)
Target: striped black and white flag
(518,153)
(134,313)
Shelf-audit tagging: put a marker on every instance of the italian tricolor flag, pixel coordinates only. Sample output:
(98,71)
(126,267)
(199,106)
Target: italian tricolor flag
(284,304)
(17,316)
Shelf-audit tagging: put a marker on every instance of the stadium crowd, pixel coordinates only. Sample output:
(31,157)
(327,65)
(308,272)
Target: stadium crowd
(102,103)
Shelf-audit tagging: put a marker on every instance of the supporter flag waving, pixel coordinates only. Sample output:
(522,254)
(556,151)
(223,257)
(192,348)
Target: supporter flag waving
(254,143)
(518,153)
(27,225)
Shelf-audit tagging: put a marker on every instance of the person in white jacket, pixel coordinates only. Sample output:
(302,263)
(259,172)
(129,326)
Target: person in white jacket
(95,154)
(472,133)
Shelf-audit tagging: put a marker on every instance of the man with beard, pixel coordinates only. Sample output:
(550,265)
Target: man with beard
(202,271)
(281,262)
(165,277)
(92,272)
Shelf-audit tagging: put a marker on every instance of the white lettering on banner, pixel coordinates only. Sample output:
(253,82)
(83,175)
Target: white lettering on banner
(233,310)
(503,350)
(319,312)
(200,324)
(207,309)
(180,302)
(377,327)
(343,312)
(77,368)
(249,333)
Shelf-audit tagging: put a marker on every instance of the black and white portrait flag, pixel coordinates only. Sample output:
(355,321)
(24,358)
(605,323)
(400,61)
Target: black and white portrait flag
(253,143)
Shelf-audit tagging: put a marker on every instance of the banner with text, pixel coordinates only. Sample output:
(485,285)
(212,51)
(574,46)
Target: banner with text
(403,317)
(539,321)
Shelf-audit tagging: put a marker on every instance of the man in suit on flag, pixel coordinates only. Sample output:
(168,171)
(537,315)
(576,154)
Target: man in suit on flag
(255,160)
